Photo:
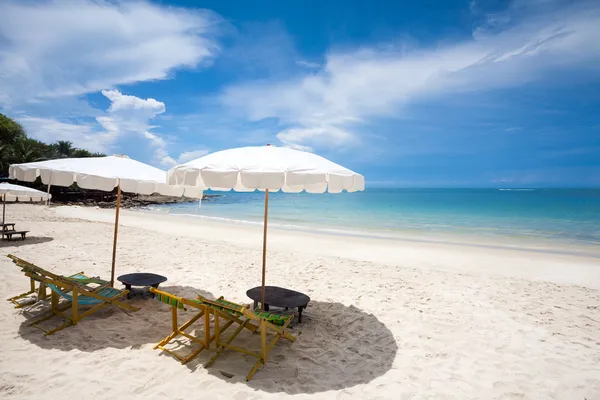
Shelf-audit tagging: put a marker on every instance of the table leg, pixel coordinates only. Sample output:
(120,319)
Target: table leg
(155,286)
(255,304)
(300,313)
(266,307)
(128,287)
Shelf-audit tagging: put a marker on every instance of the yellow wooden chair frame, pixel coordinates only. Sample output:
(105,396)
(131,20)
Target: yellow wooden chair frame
(180,303)
(42,294)
(40,290)
(73,292)
(231,312)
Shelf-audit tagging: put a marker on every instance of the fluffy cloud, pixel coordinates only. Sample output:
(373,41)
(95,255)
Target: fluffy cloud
(132,115)
(72,47)
(508,49)
(126,116)
(81,135)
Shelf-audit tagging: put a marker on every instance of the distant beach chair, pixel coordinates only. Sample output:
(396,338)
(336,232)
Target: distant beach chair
(244,317)
(75,291)
(9,234)
(179,303)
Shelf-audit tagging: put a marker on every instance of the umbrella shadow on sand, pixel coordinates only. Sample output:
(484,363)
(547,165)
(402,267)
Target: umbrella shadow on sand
(109,327)
(336,347)
(28,241)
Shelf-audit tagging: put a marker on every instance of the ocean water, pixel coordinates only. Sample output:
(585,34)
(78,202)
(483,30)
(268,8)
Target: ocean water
(571,215)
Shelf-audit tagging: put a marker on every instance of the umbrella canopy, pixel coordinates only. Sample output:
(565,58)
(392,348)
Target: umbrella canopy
(102,173)
(267,168)
(22,193)
(11,192)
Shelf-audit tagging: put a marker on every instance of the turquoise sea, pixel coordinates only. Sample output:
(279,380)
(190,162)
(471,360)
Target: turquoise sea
(571,215)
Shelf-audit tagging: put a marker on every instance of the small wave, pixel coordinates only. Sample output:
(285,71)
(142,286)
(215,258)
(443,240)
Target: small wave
(517,190)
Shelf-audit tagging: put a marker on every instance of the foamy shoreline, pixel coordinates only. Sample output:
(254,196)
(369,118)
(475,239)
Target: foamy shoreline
(496,241)
(388,319)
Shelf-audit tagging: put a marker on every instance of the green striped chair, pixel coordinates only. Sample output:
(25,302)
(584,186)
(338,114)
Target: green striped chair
(74,289)
(182,304)
(265,322)
(20,301)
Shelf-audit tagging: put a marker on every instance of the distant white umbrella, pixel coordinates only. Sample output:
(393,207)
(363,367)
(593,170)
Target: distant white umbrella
(102,173)
(12,192)
(267,168)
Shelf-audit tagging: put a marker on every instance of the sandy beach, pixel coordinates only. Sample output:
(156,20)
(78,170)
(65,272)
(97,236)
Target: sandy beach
(388,319)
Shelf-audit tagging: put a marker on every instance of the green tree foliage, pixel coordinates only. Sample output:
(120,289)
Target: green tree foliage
(16,147)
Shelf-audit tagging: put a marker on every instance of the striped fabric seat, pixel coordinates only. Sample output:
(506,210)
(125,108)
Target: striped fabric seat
(170,300)
(107,292)
(237,307)
(275,319)
(230,307)
(86,280)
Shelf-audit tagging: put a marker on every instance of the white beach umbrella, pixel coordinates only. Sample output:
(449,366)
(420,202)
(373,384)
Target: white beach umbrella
(102,173)
(12,192)
(267,168)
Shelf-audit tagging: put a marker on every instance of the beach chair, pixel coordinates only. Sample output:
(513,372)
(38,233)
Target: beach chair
(76,294)
(265,322)
(180,303)
(41,289)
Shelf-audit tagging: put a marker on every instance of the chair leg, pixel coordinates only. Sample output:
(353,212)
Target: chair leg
(206,328)
(60,328)
(20,296)
(263,340)
(264,350)
(253,370)
(75,312)
(222,346)
(180,331)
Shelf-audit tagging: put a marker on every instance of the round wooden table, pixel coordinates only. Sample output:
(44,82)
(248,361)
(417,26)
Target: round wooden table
(280,297)
(141,279)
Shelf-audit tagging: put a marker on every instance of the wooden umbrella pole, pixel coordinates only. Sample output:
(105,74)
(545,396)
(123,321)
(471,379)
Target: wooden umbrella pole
(114,255)
(264,260)
(48,194)
(3,212)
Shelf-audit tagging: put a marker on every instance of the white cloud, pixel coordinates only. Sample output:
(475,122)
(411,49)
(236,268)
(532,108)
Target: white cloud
(72,47)
(191,155)
(84,136)
(324,108)
(131,115)
(308,64)
(126,115)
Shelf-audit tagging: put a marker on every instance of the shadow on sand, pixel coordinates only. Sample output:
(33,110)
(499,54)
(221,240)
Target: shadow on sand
(17,242)
(109,327)
(337,346)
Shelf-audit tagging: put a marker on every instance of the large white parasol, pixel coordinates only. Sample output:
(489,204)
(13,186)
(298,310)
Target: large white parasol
(12,192)
(267,168)
(102,173)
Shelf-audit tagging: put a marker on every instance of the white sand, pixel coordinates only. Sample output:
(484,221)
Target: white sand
(388,319)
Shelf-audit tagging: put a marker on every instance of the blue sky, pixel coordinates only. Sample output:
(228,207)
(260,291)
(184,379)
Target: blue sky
(474,93)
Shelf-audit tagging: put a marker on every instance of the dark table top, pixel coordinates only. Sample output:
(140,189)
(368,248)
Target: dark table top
(279,297)
(141,279)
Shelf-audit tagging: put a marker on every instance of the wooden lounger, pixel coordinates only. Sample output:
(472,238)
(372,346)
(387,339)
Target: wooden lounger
(9,233)
(180,303)
(245,318)
(74,290)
